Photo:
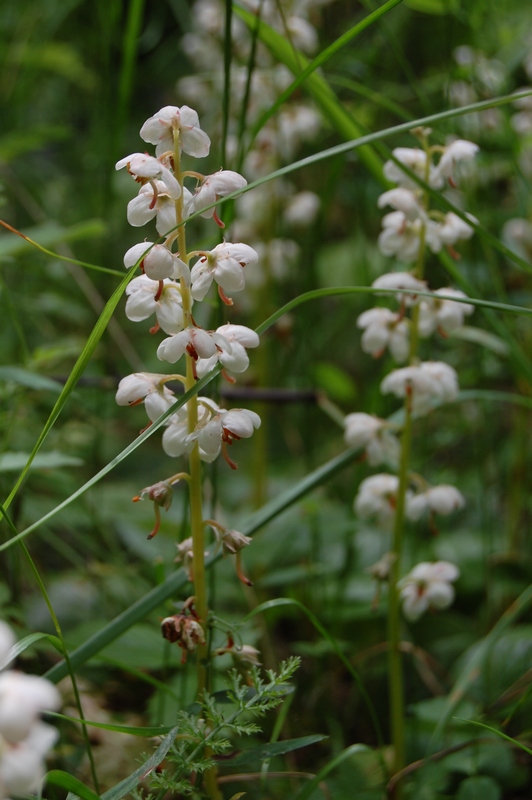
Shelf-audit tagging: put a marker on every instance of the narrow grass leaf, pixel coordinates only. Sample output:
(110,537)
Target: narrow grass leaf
(510,739)
(26,642)
(353,750)
(128,784)
(56,777)
(133,730)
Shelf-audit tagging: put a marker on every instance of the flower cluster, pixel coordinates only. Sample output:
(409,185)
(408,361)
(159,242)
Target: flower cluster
(409,230)
(174,278)
(24,739)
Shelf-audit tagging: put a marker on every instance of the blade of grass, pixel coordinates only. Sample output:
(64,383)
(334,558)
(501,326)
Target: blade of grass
(335,762)
(513,741)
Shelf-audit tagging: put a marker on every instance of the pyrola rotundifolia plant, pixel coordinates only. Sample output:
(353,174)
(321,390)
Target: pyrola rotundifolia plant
(392,499)
(174,278)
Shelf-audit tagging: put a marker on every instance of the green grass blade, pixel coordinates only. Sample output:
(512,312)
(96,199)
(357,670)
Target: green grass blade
(513,741)
(272,749)
(133,730)
(57,777)
(26,642)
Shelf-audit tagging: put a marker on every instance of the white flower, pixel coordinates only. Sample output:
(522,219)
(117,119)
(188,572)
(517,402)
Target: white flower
(377,496)
(365,430)
(426,586)
(458,151)
(403,200)
(22,764)
(22,699)
(154,200)
(147,297)
(416,160)
(197,342)
(158,263)
(148,387)
(159,130)
(237,360)
(401,280)
(441,499)
(443,315)
(225,264)
(146,169)
(430,382)
(400,237)
(220,184)
(453,229)
(383,328)
(222,429)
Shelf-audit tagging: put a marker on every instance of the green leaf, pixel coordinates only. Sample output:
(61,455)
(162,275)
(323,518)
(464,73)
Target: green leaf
(266,751)
(133,730)
(13,462)
(24,377)
(57,777)
(433,6)
(133,780)
(513,741)
(50,233)
(479,787)
(26,642)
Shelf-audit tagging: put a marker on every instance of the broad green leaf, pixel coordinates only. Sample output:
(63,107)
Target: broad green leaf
(26,642)
(479,787)
(76,788)
(266,751)
(13,462)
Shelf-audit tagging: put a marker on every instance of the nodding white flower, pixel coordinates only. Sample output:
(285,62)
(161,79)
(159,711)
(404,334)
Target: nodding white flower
(383,328)
(458,151)
(148,387)
(237,360)
(159,130)
(146,169)
(401,236)
(302,209)
(365,430)
(176,440)
(403,200)
(441,314)
(377,497)
(197,342)
(222,429)
(224,264)
(416,160)
(427,586)
(441,499)
(453,229)
(22,700)
(158,263)
(154,200)
(220,184)
(401,280)
(430,382)
(147,297)
(22,766)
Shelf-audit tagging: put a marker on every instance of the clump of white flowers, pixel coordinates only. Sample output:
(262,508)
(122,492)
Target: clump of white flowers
(24,739)
(410,230)
(173,279)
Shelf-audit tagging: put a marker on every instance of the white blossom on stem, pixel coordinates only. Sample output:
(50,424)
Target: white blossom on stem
(441,499)
(384,328)
(158,263)
(437,313)
(146,169)
(401,280)
(154,200)
(222,429)
(197,342)
(215,186)
(401,199)
(159,130)
(377,497)
(237,360)
(458,151)
(372,433)
(416,160)
(427,586)
(429,383)
(453,229)
(146,297)
(225,265)
(146,387)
